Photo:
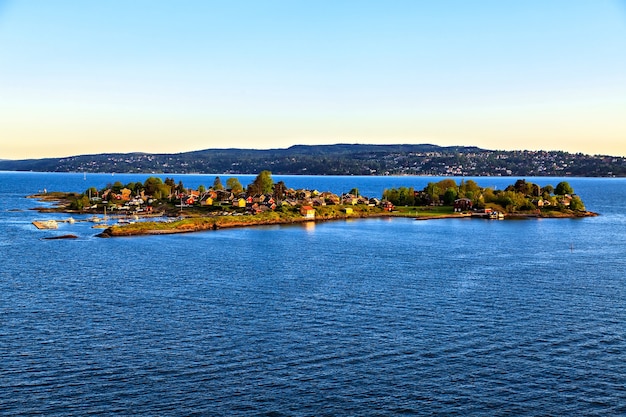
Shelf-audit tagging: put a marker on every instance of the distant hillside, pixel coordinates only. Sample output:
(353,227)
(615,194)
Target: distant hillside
(340,159)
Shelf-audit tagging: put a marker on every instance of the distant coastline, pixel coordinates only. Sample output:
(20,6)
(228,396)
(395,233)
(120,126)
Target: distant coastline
(341,159)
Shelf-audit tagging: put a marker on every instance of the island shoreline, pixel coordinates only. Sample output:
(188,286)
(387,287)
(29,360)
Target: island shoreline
(127,231)
(136,213)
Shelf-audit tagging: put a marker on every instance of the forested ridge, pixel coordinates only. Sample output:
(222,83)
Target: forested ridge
(340,159)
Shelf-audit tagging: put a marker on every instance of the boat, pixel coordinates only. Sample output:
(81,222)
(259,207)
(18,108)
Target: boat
(489,214)
(46,224)
(96,219)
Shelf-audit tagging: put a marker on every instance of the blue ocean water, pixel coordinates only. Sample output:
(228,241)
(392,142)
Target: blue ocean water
(362,317)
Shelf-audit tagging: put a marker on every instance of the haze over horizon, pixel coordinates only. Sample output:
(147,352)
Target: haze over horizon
(166,77)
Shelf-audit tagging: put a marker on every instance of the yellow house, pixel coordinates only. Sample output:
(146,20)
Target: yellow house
(207,202)
(348,210)
(308,212)
(239,202)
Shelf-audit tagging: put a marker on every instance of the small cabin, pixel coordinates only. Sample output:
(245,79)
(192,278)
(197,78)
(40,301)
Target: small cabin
(308,212)
(462,204)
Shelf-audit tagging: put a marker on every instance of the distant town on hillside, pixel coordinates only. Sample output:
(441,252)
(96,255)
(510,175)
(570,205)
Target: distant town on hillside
(341,159)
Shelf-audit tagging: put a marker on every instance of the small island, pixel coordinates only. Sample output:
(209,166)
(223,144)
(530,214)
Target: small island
(165,207)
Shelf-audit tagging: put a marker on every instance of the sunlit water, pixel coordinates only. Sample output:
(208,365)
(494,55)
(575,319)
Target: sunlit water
(364,317)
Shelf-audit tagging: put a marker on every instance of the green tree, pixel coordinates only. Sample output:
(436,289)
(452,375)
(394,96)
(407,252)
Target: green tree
(80,203)
(117,187)
(520,186)
(447,183)
(217,184)
(488,195)
(548,189)
(234,185)
(151,184)
(406,197)
(506,200)
(392,195)
(527,205)
(449,196)
(279,191)
(402,196)
(563,188)
(433,191)
(354,191)
(468,189)
(262,184)
(253,189)
(576,204)
(534,189)
(91,192)
(162,191)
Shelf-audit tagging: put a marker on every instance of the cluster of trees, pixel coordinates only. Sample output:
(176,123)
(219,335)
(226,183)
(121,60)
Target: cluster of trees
(443,192)
(154,190)
(403,196)
(160,189)
(521,196)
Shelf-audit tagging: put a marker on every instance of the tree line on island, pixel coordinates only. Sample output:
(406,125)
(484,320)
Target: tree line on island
(168,196)
(522,196)
(263,194)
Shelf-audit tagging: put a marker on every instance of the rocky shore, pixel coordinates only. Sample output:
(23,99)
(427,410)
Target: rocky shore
(198,224)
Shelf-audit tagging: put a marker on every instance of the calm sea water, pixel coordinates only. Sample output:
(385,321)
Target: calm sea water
(364,317)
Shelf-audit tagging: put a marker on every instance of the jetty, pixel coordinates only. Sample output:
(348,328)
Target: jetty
(46,224)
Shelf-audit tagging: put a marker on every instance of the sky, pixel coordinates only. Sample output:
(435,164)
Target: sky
(93,76)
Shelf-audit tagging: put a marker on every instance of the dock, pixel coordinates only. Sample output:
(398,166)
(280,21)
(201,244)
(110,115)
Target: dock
(46,224)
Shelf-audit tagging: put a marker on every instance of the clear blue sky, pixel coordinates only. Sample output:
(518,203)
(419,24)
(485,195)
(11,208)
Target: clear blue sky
(171,76)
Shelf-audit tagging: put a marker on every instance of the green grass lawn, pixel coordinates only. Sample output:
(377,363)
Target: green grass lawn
(425,211)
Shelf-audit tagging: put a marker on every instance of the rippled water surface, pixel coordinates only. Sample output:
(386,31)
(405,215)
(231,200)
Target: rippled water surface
(365,317)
